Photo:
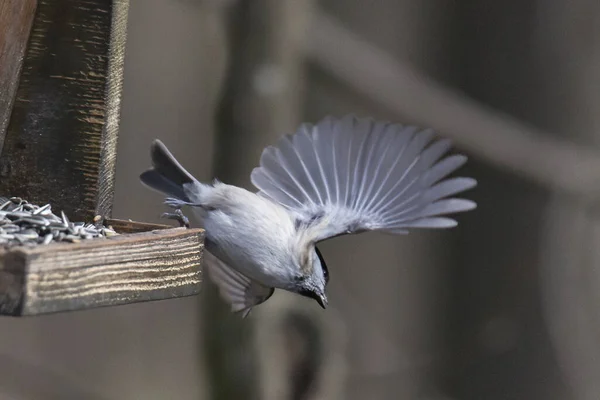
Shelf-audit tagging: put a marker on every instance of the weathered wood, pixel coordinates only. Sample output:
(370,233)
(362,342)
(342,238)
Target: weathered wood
(60,144)
(114,87)
(16,17)
(122,269)
(127,226)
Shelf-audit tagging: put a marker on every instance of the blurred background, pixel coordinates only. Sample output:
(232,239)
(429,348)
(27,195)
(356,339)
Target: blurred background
(503,307)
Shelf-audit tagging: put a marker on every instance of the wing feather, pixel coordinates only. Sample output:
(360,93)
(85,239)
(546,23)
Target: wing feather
(239,291)
(361,174)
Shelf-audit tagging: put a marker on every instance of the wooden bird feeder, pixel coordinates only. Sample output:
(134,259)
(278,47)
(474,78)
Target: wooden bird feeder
(61,72)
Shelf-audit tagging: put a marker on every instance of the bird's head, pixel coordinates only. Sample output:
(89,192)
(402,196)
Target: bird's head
(314,276)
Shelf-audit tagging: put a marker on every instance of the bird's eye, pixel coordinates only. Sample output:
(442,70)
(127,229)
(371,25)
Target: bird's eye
(323,265)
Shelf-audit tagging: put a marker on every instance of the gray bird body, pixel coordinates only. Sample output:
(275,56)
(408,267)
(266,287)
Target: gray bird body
(340,176)
(238,222)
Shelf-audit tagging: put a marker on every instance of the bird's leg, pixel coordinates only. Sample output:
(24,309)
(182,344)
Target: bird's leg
(178,214)
(175,203)
(179,217)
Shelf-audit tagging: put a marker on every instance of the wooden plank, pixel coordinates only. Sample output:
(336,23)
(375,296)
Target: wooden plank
(122,269)
(16,17)
(60,144)
(128,226)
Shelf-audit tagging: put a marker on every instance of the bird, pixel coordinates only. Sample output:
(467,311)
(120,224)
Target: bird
(339,176)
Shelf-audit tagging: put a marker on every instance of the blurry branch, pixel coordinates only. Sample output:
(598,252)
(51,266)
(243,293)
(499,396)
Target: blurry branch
(264,86)
(262,97)
(569,255)
(23,379)
(569,252)
(302,350)
(228,360)
(489,135)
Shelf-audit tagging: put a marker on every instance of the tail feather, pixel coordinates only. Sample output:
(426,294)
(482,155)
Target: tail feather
(167,175)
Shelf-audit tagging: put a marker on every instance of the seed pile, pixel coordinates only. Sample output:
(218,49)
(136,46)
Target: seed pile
(22,223)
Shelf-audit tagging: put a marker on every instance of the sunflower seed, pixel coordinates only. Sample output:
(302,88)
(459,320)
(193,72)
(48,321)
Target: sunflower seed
(23,223)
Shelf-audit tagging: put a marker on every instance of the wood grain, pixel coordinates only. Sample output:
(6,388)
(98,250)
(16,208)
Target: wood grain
(127,226)
(60,144)
(114,88)
(16,17)
(123,269)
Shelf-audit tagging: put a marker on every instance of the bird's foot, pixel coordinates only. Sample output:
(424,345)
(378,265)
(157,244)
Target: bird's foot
(178,216)
(175,203)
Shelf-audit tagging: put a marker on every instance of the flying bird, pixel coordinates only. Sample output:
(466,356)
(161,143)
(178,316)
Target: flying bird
(337,177)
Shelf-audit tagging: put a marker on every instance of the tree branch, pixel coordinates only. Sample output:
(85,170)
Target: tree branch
(488,134)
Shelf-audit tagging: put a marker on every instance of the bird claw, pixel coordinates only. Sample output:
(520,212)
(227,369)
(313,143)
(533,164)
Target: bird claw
(179,217)
(175,203)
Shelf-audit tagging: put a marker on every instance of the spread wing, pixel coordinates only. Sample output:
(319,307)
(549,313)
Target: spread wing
(351,175)
(236,289)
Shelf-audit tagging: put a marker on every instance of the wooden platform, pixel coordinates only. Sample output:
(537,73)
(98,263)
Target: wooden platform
(157,262)
(61,63)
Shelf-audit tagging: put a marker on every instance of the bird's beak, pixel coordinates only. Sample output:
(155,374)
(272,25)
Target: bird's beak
(322,300)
